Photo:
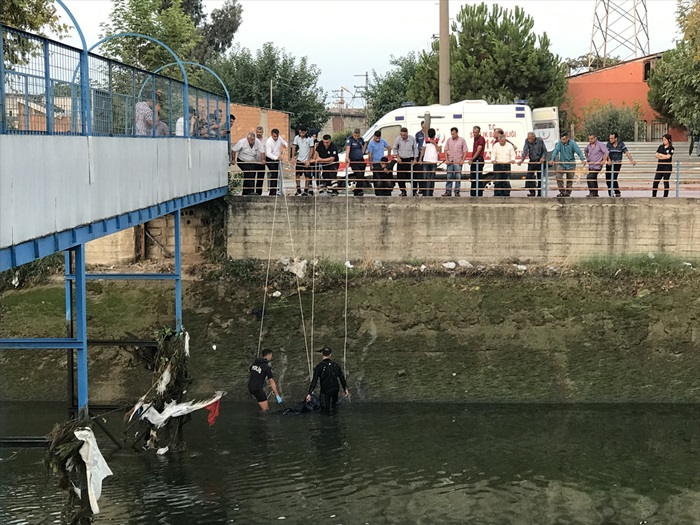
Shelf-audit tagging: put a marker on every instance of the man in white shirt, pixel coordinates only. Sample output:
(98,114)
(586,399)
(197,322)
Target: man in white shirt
(248,153)
(303,151)
(502,156)
(275,147)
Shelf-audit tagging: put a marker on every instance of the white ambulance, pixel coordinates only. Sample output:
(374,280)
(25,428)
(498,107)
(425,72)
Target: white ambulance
(515,120)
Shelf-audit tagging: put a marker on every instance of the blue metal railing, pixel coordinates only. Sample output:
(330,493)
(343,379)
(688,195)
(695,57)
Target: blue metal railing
(46,88)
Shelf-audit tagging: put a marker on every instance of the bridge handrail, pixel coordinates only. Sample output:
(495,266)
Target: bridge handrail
(40,96)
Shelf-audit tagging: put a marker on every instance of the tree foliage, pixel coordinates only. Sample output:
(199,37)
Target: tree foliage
(494,55)
(387,92)
(603,120)
(171,26)
(674,82)
(580,64)
(31,15)
(216,31)
(294,83)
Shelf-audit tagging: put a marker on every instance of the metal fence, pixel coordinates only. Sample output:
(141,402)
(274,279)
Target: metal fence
(42,92)
(431,180)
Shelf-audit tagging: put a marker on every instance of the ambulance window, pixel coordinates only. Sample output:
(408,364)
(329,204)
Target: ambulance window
(544,125)
(389,133)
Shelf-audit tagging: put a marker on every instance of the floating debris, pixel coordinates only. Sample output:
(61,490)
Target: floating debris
(465,264)
(449,265)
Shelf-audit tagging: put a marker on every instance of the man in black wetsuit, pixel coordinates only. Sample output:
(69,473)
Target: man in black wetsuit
(259,371)
(329,373)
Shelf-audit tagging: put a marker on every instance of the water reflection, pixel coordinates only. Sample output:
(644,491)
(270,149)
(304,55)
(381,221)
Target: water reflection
(386,464)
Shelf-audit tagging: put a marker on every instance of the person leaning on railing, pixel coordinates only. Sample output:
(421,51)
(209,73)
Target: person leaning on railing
(502,156)
(536,151)
(406,149)
(564,162)
(429,159)
(596,156)
(248,153)
(616,148)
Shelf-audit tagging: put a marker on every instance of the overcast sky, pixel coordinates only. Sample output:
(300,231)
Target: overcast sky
(345,38)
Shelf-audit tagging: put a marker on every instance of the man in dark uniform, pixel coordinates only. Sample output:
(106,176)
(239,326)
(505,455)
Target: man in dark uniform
(259,371)
(355,155)
(329,373)
(327,158)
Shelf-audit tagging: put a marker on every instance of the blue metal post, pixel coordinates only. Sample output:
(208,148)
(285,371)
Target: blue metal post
(3,120)
(178,273)
(678,178)
(133,102)
(154,109)
(81,332)
(47,89)
(26,104)
(70,356)
(170,107)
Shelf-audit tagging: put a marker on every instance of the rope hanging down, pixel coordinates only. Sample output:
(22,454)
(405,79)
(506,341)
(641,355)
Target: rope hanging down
(347,268)
(301,307)
(267,273)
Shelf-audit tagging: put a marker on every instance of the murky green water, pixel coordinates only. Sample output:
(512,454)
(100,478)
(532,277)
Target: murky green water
(386,464)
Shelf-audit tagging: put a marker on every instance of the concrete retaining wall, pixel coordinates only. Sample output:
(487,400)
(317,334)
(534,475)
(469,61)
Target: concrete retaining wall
(487,230)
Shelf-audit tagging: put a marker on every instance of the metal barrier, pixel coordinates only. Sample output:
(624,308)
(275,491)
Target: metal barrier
(633,182)
(42,91)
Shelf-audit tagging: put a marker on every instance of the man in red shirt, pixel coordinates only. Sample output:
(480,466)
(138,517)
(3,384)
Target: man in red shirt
(477,164)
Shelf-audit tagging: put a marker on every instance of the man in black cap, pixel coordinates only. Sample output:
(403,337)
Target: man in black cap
(259,371)
(329,373)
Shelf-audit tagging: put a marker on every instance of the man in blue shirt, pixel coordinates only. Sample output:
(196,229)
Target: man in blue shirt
(375,151)
(355,156)
(564,163)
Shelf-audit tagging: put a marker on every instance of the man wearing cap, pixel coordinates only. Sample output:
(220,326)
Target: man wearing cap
(355,154)
(565,163)
(259,371)
(329,373)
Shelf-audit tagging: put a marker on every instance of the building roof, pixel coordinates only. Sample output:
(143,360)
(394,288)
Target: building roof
(653,56)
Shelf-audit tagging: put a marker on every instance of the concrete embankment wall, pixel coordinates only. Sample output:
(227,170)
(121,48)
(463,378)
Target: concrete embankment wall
(487,230)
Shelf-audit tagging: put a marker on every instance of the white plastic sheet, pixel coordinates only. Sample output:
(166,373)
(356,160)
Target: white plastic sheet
(173,409)
(97,468)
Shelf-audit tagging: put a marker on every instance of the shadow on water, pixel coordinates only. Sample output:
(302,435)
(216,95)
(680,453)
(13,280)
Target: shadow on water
(390,464)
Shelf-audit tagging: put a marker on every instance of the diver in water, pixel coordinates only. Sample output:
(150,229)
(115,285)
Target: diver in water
(329,373)
(259,371)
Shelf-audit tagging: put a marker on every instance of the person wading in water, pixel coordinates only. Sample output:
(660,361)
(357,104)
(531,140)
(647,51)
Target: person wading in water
(259,371)
(329,373)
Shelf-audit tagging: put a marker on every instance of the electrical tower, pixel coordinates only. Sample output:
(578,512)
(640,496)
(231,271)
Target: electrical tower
(620,30)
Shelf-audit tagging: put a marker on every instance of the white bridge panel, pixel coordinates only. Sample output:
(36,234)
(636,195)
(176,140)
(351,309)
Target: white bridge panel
(52,183)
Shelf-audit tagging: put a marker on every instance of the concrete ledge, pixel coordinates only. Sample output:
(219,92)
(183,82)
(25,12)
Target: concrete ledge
(488,229)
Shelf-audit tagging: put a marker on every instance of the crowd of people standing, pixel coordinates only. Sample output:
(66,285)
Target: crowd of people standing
(411,163)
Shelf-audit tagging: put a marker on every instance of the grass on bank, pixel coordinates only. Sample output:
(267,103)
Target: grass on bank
(637,265)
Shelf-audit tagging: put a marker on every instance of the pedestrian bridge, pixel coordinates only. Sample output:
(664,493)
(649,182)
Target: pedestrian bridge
(88,147)
(74,163)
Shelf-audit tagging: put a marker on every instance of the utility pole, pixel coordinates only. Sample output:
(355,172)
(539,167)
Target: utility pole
(270,93)
(365,89)
(444,52)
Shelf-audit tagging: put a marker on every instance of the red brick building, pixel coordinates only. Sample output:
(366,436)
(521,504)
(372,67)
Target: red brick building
(620,84)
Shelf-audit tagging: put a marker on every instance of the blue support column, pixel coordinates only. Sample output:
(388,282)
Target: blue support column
(70,353)
(81,332)
(178,273)
(3,109)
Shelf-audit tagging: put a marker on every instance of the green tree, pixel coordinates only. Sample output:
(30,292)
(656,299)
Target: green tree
(31,15)
(494,55)
(171,26)
(387,92)
(603,120)
(294,83)
(216,31)
(580,64)
(674,81)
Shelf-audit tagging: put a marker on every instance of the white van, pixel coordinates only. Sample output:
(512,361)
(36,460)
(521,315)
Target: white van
(516,120)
